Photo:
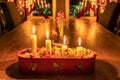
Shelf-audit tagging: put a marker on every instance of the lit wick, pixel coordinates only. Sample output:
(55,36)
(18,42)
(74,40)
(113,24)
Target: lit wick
(64,47)
(33,41)
(79,46)
(48,43)
(79,42)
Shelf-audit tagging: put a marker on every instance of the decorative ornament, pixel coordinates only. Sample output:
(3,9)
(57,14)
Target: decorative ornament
(56,66)
(60,20)
(78,67)
(33,66)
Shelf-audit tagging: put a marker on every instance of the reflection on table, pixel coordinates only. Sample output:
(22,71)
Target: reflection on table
(92,34)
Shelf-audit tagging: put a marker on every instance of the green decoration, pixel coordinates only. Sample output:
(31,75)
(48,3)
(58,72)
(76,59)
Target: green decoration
(40,6)
(49,12)
(87,13)
(45,11)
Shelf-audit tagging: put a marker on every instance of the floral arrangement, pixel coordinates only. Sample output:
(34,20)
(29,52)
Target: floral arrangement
(60,20)
(56,53)
(60,17)
(54,34)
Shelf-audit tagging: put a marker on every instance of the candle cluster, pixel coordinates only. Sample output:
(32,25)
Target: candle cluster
(34,43)
(57,51)
(72,53)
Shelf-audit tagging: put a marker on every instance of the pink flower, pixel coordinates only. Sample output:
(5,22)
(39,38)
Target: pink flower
(52,28)
(47,56)
(60,16)
(54,35)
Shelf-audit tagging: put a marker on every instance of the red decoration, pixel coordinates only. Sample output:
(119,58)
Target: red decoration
(48,65)
(60,16)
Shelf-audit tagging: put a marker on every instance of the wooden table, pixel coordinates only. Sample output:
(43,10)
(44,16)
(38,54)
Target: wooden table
(93,36)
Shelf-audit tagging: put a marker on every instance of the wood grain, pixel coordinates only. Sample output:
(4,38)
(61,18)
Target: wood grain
(92,34)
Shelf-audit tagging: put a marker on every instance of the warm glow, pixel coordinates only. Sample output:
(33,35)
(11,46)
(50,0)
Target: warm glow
(64,40)
(79,25)
(45,5)
(33,30)
(67,6)
(54,10)
(47,24)
(79,41)
(47,34)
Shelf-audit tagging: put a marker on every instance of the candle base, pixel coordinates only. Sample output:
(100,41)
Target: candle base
(30,65)
(55,65)
(60,41)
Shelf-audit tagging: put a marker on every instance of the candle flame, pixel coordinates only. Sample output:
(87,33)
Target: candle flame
(64,40)
(33,30)
(47,34)
(79,41)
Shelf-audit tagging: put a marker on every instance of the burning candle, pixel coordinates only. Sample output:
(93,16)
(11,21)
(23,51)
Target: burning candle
(48,43)
(33,41)
(64,47)
(79,45)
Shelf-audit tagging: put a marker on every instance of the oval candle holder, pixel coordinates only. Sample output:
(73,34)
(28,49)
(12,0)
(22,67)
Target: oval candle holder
(31,65)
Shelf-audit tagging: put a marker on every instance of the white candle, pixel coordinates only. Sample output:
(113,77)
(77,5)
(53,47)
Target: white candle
(79,45)
(48,43)
(38,2)
(64,47)
(42,3)
(33,41)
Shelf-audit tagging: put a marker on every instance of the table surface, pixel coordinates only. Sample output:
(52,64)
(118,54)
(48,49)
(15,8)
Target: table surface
(93,36)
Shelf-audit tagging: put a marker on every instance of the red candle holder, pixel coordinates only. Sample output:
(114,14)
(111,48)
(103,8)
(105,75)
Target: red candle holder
(31,65)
